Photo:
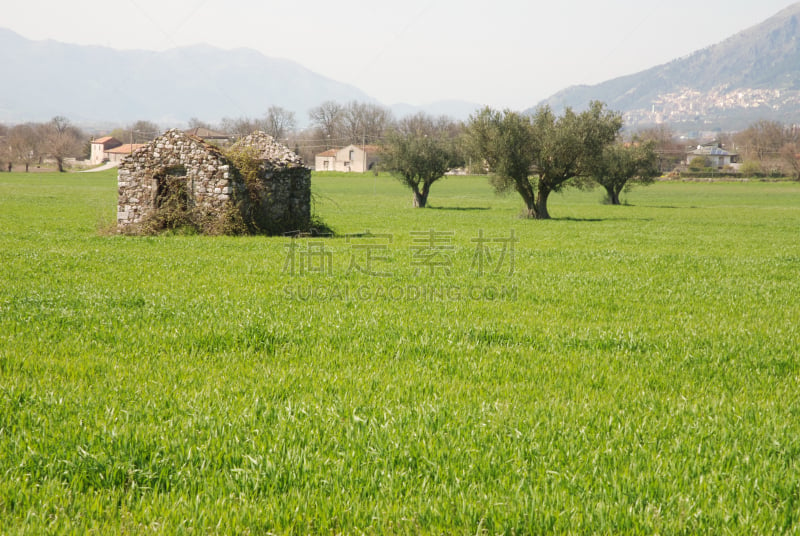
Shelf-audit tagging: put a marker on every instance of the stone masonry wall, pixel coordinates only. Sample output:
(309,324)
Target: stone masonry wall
(213,184)
(286,198)
(207,172)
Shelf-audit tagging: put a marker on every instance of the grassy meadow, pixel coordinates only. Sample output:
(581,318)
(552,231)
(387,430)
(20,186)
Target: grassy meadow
(628,369)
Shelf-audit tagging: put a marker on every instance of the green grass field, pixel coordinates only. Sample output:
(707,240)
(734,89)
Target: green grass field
(635,370)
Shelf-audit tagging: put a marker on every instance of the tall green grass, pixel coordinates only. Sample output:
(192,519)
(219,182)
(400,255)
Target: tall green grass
(637,372)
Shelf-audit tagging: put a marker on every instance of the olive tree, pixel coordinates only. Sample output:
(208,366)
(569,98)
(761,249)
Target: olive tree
(539,154)
(506,142)
(622,166)
(418,153)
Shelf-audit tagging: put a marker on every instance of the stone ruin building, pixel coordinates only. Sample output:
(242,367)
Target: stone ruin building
(255,186)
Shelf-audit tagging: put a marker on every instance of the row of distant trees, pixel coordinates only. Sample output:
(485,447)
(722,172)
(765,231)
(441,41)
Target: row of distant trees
(766,147)
(533,154)
(29,144)
(769,148)
(537,154)
(421,149)
(331,124)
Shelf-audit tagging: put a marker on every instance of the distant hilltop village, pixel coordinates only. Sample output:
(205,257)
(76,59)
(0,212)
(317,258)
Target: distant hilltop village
(689,105)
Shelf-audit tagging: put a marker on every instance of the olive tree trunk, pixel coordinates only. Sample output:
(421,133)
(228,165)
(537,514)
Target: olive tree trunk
(613,195)
(525,190)
(541,204)
(535,203)
(421,196)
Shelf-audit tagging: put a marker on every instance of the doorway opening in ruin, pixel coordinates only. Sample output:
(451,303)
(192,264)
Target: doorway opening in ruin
(171,189)
(172,197)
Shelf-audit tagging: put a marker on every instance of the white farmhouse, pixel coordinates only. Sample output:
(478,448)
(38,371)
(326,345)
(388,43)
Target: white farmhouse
(350,158)
(716,156)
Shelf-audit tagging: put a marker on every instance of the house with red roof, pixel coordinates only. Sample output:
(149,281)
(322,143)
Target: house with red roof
(116,154)
(109,149)
(99,148)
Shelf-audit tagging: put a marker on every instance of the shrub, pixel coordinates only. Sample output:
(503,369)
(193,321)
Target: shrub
(751,168)
(699,164)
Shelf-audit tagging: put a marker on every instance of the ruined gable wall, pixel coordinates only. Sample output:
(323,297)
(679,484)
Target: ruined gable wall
(214,187)
(209,176)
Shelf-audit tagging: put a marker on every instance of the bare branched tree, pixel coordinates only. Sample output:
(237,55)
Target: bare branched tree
(669,149)
(790,154)
(328,118)
(239,128)
(761,139)
(197,123)
(62,140)
(144,131)
(25,144)
(279,123)
(364,122)
(5,147)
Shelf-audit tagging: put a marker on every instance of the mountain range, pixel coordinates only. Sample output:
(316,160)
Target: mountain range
(91,84)
(752,75)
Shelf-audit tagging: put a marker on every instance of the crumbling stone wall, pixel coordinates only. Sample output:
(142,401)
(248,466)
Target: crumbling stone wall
(286,182)
(178,168)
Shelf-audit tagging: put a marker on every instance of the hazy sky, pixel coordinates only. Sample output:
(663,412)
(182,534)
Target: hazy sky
(499,52)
